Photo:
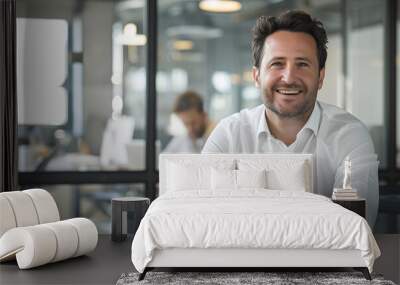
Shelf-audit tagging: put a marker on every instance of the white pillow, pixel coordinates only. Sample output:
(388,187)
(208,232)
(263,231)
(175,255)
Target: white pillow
(223,179)
(182,177)
(193,172)
(282,174)
(291,179)
(251,178)
(227,179)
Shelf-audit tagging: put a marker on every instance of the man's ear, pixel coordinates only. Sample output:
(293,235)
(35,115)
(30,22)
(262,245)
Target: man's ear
(321,78)
(256,76)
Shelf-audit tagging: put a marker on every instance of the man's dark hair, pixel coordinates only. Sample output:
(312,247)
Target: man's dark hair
(292,21)
(187,101)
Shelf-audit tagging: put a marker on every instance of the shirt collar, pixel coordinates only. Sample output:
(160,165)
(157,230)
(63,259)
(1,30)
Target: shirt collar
(262,125)
(312,122)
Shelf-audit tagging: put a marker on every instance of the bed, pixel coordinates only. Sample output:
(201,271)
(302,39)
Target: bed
(246,211)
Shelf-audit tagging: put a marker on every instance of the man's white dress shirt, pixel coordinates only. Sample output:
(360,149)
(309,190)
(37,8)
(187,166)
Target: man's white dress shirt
(330,134)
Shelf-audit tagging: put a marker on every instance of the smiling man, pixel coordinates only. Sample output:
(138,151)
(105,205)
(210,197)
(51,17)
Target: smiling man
(289,55)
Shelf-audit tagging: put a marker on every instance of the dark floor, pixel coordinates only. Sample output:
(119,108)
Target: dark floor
(102,266)
(110,259)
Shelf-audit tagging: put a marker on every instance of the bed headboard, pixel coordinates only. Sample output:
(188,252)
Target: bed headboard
(209,159)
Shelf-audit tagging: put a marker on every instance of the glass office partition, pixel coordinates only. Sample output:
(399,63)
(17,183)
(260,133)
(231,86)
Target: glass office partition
(365,65)
(81,85)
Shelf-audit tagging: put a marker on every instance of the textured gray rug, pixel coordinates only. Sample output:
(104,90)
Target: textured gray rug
(228,278)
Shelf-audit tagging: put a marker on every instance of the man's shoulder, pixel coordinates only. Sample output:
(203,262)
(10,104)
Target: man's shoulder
(248,116)
(337,121)
(233,130)
(335,114)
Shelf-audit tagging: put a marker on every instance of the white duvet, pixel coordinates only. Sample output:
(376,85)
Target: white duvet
(251,218)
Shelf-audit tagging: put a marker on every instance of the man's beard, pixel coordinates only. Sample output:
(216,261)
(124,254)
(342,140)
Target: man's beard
(300,110)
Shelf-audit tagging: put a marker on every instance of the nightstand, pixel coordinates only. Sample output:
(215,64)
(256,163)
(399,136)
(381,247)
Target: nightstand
(358,206)
(127,212)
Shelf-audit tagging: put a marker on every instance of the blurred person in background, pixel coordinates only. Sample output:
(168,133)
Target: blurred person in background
(189,108)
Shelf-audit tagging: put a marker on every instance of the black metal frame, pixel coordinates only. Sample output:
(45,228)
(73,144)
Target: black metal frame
(343,12)
(8,97)
(392,174)
(389,176)
(151,114)
(363,270)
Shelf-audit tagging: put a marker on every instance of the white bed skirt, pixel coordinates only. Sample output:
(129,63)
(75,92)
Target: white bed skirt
(193,257)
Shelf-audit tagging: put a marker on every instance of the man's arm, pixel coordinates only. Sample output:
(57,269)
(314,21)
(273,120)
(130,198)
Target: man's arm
(219,140)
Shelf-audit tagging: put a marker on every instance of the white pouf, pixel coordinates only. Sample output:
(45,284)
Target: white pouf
(31,233)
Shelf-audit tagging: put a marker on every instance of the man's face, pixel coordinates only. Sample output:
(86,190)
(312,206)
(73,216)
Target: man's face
(195,122)
(289,75)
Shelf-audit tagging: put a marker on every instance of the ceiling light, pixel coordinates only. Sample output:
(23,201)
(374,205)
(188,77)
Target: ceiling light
(182,45)
(220,6)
